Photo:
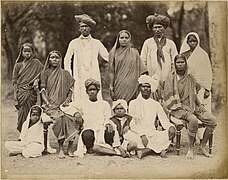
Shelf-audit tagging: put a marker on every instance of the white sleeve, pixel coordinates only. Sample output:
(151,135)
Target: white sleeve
(68,56)
(173,51)
(103,51)
(163,117)
(144,52)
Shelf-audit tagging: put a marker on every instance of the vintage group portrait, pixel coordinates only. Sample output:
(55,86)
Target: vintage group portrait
(114,90)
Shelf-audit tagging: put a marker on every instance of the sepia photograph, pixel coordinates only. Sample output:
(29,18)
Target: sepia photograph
(114,90)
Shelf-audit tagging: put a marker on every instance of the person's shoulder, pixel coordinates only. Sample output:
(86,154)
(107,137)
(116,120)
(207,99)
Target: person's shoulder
(170,41)
(134,50)
(35,60)
(105,103)
(133,102)
(128,116)
(75,40)
(148,40)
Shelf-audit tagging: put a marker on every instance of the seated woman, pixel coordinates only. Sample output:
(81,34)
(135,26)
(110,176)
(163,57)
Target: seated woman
(180,101)
(56,90)
(31,140)
(125,67)
(95,112)
(118,131)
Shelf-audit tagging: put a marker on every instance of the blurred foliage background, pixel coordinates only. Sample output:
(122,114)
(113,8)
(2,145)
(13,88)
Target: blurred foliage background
(51,25)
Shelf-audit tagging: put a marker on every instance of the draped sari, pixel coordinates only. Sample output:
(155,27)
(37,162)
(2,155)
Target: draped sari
(24,77)
(57,83)
(180,94)
(127,67)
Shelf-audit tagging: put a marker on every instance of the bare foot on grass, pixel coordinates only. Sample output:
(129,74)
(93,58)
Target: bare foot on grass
(204,152)
(61,155)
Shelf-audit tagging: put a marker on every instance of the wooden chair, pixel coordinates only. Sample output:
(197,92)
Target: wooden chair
(179,124)
(45,124)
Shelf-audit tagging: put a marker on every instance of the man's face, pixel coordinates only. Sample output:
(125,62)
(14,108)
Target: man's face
(158,29)
(92,92)
(119,111)
(84,29)
(145,90)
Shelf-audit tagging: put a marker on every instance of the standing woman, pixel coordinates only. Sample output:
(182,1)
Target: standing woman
(125,67)
(26,74)
(199,66)
(57,89)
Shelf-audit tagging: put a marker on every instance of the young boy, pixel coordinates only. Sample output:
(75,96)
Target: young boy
(31,140)
(121,121)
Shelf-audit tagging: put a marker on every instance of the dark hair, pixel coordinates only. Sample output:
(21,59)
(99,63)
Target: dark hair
(190,36)
(180,56)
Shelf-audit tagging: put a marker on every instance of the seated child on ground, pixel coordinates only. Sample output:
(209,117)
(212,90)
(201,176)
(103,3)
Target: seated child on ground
(31,140)
(121,121)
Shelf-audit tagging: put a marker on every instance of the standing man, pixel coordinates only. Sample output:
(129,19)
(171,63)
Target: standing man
(84,50)
(158,52)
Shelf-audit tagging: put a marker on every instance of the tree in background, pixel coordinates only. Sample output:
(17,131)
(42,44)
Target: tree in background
(51,25)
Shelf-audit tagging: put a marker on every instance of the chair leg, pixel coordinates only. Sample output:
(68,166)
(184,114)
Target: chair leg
(45,138)
(210,143)
(178,142)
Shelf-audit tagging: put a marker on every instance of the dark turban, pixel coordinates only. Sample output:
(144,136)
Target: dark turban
(94,82)
(157,18)
(85,19)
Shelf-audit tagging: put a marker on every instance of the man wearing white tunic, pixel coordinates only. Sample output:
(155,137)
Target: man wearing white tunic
(85,51)
(145,110)
(158,52)
(95,112)
(31,140)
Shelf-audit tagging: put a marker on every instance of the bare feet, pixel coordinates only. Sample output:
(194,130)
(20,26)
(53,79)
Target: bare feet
(163,154)
(190,154)
(70,154)
(140,154)
(204,152)
(61,154)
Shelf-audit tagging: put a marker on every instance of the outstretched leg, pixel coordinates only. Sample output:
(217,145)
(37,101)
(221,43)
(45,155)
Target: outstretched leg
(143,152)
(103,150)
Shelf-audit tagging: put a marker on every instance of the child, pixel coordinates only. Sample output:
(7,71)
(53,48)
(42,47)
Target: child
(31,140)
(26,73)
(122,122)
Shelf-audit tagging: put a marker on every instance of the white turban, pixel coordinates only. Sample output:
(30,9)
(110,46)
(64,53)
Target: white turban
(152,81)
(120,102)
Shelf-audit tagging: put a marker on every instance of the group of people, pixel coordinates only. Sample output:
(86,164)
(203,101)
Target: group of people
(146,89)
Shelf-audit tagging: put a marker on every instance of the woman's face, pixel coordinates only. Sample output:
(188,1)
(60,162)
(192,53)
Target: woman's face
(54,59)
(27,52)
(180,64)
(34,117)
(192,42)
(119,111)
(124,39)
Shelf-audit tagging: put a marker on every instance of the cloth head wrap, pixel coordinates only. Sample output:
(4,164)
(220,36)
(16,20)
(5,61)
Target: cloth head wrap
(152,81)
(157,18)
(94,82)
(121,102)
(36,108)
(85,19)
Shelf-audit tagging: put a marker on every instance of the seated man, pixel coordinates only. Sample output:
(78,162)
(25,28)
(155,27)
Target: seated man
(180,101)
(31,140)
(145,111)
(94,112)
(118,131)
